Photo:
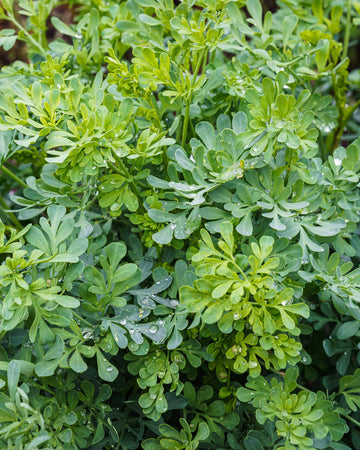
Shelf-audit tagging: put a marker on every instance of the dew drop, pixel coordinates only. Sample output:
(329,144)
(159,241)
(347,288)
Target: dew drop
(114,206)
(87,334)
(123,321)
(153,329)
(109,369)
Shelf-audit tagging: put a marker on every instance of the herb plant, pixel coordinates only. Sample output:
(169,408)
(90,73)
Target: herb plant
(179,239)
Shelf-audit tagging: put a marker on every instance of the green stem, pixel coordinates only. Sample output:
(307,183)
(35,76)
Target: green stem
(41,50)
(203,54)
(351,419)
(239,269)
(322,147)
(343,113)
(204,64)
(186,122)
(337,100)
(347,30)
(44,388)
(13,176)
(12,217)
(83,320)
(340,129)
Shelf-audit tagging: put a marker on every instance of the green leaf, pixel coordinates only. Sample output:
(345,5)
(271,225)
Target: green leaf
(348,329)
(206,133)
(322,55)
(56,350)
(161,404)
(106,370)
(119,335)
(77,363)
(13,376)
(7,39)
(255,10)
(214,312)
(78,247)
(46,368)
(350,388)
(66,301)
(63,28)
(115,252)
(203,432)
(287,320)
(164,236)
(288,26)
(148,20)
(245,226)
(343,362)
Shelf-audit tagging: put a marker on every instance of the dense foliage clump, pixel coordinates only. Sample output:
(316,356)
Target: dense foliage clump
(179,239)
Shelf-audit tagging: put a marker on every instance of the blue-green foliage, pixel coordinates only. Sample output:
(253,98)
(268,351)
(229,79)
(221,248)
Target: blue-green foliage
(179,210)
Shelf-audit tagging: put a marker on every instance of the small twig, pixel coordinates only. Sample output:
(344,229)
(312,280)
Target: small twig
(13,176)
(41,50)
(12,217)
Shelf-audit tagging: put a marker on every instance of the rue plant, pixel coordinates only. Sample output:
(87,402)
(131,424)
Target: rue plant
(179,211)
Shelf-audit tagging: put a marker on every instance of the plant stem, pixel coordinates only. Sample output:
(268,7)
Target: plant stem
(44,388)
(345,113)
(347,30)
(13,176)
(340,129)
(189,96)
(83,320)
(186,121)
(41,50)
(351,419)
(322,147)
(12,217)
